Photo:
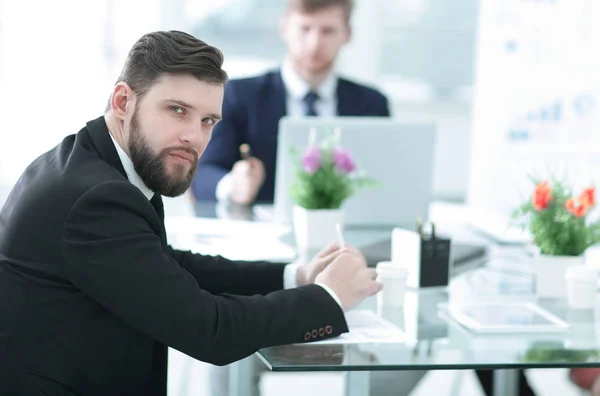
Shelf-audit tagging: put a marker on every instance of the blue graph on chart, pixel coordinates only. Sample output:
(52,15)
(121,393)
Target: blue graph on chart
(569,119)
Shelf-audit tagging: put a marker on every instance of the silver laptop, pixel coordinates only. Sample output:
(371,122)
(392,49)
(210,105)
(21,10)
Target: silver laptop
(398,154)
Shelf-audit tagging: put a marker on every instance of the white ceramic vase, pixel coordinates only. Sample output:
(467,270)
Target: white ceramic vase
(550,274)
(315,228)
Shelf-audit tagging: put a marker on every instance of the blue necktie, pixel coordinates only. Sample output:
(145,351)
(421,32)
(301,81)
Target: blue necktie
(309,101)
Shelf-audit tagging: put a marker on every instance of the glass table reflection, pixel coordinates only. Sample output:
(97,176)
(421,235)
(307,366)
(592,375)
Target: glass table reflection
(437,341)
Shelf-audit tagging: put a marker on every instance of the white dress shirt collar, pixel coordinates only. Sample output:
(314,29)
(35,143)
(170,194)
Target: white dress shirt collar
(296,88)
(132,175)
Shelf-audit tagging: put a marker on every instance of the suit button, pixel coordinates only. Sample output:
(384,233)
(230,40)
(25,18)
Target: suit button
(321,332)
(315,333)
(307,336)
(328,329)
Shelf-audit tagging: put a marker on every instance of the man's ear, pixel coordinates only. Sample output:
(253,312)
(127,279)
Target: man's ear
(122,100)
(348,34)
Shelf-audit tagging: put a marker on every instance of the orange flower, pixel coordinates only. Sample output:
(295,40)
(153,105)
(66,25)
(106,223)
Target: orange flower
(576,207)
(588,197)
(542,196)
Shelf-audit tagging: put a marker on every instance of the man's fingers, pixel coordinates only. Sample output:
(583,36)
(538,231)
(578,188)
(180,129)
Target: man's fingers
(325,261)
(255,166)
(327,250)
(372,273)
(253,162)
(375,288)
(351,249)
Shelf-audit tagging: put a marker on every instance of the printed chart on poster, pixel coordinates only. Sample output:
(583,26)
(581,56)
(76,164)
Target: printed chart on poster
(537,98)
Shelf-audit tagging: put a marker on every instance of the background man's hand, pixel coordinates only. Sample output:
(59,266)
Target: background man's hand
(248,176)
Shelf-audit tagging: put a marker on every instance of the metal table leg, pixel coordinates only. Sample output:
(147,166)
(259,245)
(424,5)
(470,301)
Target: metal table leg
(506,382)
(356,383)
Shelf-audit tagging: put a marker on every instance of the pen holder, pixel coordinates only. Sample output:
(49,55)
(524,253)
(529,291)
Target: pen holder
(427,258)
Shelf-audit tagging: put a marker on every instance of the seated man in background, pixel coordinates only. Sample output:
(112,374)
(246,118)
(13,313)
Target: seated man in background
(306,85)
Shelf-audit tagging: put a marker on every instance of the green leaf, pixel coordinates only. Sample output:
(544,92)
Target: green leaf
(327,188)
(555,230)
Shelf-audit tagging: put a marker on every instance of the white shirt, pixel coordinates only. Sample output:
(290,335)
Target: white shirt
(295,91)
(289,271)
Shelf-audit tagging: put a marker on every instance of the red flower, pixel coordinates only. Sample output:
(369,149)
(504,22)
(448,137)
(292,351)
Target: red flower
(588,197)
(576,207)
(542,196)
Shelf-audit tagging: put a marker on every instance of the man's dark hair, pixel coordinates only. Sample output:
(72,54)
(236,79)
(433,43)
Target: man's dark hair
(310,6)
(157,53)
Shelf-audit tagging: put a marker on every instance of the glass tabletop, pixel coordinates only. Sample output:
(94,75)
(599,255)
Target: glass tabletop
(374,241)
(435,339)
(438,341)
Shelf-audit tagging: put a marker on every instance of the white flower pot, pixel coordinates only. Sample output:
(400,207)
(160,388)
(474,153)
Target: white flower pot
(315,228)
(550,274)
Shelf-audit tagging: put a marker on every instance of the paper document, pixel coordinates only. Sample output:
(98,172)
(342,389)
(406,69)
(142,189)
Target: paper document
(233,239)
(223,228)
(367,327)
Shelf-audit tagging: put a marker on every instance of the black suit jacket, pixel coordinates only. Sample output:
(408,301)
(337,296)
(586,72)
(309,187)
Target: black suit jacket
(252,108)
(91,294)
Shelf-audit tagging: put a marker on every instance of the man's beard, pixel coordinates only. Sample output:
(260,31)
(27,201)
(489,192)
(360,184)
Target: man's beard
(152,169)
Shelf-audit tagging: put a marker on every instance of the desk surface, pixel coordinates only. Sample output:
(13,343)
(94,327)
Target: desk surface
(440,342)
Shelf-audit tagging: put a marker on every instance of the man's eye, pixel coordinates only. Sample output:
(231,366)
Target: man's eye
(209,121)
(177,109)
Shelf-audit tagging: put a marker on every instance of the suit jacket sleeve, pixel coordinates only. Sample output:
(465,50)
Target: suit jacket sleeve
(223,150)
(217,275)
(113,254)
(382,106)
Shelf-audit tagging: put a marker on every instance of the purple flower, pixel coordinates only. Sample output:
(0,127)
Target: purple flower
(343,161)
(311,159)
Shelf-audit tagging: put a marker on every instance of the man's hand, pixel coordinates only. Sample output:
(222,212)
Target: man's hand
(248,176)
(308,272)
(350,278)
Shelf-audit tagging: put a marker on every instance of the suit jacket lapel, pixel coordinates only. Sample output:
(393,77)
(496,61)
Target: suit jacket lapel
(157,203)
(264,127)
(277,103)
(101,139)
(346,100)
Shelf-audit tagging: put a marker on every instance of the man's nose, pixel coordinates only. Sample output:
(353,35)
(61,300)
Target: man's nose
(314,39)
(193,137)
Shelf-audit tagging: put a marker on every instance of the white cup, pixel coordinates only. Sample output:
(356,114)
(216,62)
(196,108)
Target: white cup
(582,284)
(393,276)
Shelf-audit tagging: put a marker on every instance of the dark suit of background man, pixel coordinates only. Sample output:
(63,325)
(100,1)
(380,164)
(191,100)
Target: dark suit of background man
(314,32)
(91,294)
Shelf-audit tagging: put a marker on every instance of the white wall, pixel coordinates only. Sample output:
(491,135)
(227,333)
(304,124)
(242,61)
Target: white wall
(52,76)
(537,104)
(55,75)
